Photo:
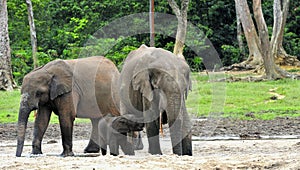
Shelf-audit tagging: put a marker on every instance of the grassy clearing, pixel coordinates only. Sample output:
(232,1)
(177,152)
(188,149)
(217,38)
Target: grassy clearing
(9,109)
(242,100)
(9,106)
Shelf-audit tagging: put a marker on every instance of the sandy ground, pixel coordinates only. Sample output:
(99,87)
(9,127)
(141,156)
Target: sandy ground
(220,154)
(252,150)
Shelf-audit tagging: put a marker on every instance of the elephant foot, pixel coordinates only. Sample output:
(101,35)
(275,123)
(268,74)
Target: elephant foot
(155,153)
(113,154)
(65,154)
(103,151)
(129,153)
(36,150)
(92,147)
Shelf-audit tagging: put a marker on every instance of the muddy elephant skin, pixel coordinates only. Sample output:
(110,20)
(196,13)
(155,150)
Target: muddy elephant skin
(155,81)
(83,88)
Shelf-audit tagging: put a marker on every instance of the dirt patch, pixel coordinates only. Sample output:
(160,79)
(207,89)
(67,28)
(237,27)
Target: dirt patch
(204,127)
(217,154)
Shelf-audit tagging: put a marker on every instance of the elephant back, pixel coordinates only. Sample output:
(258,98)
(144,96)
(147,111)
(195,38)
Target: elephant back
(95,86)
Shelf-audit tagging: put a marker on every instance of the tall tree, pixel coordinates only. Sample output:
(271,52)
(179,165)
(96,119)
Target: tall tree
(6,78)
(239,33)
(258,43)
(280,12)
(255,56)
(32,32)
(181,15)
(265,47)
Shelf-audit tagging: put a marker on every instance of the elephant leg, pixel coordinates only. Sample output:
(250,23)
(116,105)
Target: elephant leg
(152,130)
(126,146)
(113,145)
(40,125)
(187,145)
(151,118)
(66,126)
(187,136)
(136,140)
(176,135)
(93,146)
(103,144)
(103,147)
(174,108)
(180,127)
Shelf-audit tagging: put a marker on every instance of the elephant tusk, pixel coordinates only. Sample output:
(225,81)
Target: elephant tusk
(160,125)
(35,114)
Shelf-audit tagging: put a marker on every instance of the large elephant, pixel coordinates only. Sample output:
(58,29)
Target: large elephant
(154,84)
(83,88)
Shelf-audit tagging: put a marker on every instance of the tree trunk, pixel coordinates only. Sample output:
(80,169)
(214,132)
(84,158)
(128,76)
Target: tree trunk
(260,45)
(182,25)
(253,42)
(6,78)
(268,58)
(280,12)
(240,33)
(32,32)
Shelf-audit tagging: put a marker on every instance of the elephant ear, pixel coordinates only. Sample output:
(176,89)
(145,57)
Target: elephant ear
(141,82)
(120,124)
(61,82)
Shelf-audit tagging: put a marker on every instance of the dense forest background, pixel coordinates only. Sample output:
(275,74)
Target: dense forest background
(63,26)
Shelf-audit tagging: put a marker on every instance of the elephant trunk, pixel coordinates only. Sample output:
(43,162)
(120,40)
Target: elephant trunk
(22,124)
(180,125)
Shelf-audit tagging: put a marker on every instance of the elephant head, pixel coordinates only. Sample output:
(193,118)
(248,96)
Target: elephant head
(127,123)
(40,87)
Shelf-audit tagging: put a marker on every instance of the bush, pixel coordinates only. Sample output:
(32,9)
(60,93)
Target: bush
(21,64)
(231,54)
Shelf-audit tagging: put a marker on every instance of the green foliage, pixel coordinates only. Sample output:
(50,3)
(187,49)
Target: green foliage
(119,56)
(292,45)
(291,41)
(195,63)
(21,64)
(65,26)
(233,54)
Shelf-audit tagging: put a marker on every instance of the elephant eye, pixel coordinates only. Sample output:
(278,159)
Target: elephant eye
(39,93)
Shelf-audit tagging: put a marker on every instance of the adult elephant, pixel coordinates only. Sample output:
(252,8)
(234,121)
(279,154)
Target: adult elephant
(155,81)
(83,88)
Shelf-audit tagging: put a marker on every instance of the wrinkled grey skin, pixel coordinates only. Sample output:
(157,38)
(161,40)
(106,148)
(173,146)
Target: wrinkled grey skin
(109,136)
(84,88)
(154,80)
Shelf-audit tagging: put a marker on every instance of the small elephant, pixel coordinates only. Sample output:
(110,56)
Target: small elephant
(113,138)
(155,81)
(83,88)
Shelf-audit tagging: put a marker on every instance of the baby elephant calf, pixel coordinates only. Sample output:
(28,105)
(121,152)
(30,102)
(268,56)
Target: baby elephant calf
(114,137)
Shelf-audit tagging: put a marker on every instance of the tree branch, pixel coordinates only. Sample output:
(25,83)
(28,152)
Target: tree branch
(175,7)
(184,7)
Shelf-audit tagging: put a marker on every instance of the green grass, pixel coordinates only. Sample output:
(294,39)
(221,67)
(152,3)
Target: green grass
(9,106)
(9,109)
(236,100)
(243,98)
